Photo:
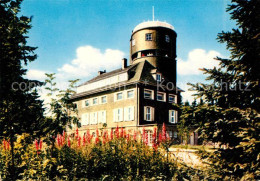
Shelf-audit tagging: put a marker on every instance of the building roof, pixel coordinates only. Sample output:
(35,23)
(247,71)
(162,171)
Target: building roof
(137,73)
(149,24)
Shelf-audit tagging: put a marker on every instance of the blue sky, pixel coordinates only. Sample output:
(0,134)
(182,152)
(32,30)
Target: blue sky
(67,31)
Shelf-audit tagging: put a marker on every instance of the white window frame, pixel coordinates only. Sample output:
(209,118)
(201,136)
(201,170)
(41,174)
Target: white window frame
(174,116)
(146,113)
(115,96)
(102,116)
(85,119)
(93,118)
(101,100)
(129,113)
(164,96)
(175,134)
(93,101)
(174,97)
(132,90)
(148,37)
(152,93)
(118,114)
(84,103)
(167,38)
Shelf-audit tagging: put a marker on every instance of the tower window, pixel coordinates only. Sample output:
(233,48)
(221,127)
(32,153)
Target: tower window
(148,37)
(167,38)
(133,42)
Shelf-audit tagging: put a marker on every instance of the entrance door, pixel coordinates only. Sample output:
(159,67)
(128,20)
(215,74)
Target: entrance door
(192,138)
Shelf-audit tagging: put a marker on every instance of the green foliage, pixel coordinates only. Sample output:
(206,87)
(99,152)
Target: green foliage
(61,111)
(230,113)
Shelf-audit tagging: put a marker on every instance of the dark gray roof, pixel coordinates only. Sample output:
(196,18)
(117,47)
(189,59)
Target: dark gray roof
(137,73)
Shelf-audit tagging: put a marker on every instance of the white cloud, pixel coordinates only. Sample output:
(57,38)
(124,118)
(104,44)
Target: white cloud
(89,60)
(34,74)
(197,58)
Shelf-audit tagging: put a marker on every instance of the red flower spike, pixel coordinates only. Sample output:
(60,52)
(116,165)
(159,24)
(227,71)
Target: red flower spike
(68,142)
(122,132)
(163,132)
(79,141)
(40,144)
(117,132)
(77,133)
(84,140)
(111,135)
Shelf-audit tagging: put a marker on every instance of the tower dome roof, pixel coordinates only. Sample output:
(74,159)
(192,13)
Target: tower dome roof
(149,24)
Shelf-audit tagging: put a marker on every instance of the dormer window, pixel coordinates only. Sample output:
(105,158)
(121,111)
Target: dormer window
(158,77)
(167,38)
(148,37)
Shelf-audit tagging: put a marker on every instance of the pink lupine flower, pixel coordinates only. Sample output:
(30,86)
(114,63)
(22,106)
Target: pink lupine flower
(163,132)
(40,144)
(84,140)
(146,139)
(127,137)
(117,132)
(68,141)
(154,139)
(160,137)
(77,133)
(36,144)
(8,144)
(111,135)
(79,141)
(143,135)
(63,137)
(122,132)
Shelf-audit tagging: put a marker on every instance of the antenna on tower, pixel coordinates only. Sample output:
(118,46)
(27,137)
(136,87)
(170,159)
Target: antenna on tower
(153,13)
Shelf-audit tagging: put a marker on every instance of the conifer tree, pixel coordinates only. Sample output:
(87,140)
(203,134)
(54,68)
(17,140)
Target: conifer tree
(20,109)
(230,113)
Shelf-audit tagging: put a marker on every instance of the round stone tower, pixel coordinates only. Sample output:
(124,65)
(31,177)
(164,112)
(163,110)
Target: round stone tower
(155,41)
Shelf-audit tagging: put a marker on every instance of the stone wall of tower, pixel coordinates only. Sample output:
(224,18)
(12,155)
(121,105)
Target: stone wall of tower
(160,53)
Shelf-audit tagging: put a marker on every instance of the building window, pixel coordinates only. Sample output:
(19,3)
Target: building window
(104,99)
(119,96)
(171,98)
(167,38)
(160,96)
(95,101)
(129,113)
(118,115)
(86,103)
(133,42)
(102,117)
(84,119)
(130,94)
(158,77)
(175,134)
(172,116)
(148,37)
(148,113)
(148,94)
(93,118)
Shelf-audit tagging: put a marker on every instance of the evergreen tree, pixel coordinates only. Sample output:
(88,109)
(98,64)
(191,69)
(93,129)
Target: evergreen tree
(230,113)
(20,109)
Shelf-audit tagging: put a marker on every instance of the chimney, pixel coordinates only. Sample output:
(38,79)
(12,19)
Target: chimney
(101,72)
(124,63)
